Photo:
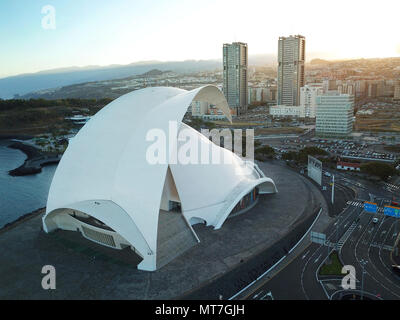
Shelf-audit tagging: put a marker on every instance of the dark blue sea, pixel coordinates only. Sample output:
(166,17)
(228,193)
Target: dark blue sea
(20,195)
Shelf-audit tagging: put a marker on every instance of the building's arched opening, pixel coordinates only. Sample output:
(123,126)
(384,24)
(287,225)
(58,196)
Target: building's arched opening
(88,234)
(246,203)
(195,220)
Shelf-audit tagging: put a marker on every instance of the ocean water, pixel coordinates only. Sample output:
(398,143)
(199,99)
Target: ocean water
(20,195)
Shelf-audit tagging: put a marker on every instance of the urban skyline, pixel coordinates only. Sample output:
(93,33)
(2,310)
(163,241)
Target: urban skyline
(231,176)
(81,38)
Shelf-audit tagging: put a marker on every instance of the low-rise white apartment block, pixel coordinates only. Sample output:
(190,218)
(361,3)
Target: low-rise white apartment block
(287,111)
(206,111)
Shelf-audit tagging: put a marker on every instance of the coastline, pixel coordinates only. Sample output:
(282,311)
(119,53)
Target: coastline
(21,219)
(15,136)
(35,160)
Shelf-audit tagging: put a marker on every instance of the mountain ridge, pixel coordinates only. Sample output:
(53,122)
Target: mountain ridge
(15,86)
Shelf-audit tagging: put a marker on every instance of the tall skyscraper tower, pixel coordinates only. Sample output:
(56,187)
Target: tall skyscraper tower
(291,60)
(235,76)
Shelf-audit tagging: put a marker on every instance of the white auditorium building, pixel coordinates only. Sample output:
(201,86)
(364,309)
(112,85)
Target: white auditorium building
(106,189)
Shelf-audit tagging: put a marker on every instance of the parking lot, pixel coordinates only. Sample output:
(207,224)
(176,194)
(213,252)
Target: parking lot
(374,151)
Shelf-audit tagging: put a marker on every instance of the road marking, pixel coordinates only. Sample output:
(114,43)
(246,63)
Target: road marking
(256,295)
(346,235)
(308,261)
(382,247)
(266,295)
(373,265)
(305,254)
(331,286)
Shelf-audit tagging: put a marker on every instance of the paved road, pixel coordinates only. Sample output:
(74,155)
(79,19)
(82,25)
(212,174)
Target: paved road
(373,243)
(358,238)
(298,280)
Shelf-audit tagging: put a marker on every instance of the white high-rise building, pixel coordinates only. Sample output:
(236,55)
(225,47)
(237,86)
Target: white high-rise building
(291,60)
(308,98)
(334,116)
(235,62)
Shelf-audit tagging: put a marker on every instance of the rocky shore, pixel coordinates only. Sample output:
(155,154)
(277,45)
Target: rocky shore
(35,160)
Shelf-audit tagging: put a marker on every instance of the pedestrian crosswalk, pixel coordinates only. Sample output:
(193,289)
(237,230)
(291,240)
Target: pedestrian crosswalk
(360,204)
(356,203)
(392,186)
(346,235)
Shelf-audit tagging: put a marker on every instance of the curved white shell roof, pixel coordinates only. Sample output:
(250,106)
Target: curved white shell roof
(104,169)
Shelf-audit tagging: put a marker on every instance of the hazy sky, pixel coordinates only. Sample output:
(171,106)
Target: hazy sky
(102,32)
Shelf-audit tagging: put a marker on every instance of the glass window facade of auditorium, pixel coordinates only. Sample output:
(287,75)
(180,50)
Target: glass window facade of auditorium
(246,201)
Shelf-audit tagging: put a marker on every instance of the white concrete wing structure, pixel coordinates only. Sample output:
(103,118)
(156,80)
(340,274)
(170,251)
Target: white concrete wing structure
(105,187)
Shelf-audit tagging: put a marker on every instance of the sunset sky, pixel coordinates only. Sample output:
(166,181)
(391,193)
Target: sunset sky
(99,32)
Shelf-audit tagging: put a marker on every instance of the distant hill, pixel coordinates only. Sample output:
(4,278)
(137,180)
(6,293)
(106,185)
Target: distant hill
(25,83)
(154,72)
(50,79)
(319,61)
(113,88)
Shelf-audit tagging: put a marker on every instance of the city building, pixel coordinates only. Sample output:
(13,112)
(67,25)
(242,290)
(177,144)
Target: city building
(372,90)
(214,113)
(329,85)
(199,108)
(287,111)
(334,116)
(258,95)
(115,195)
(348,166)
(396,95)
(291,60)
(235,61)
(206,111)
(347,87)
(252,95)
(360,88)
(308,98)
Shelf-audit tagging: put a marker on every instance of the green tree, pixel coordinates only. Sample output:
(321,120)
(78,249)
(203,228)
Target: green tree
(378,169)
(264,152)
